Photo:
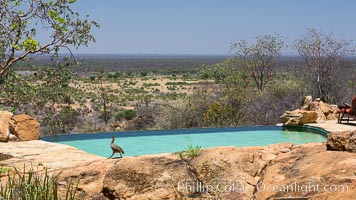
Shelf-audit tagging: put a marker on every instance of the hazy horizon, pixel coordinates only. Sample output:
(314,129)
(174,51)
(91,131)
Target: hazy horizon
(147,55)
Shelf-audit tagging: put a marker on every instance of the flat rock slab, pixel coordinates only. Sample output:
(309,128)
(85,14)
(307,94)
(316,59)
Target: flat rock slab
(52,155)
(332,125)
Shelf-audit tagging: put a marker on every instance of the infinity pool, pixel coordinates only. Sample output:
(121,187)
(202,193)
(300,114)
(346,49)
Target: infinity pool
(154,142)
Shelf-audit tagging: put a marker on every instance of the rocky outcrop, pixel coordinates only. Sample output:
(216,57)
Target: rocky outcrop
(156,178)
(307,100)
(299,117)
(90,177)
(307,112)
(5,118)
(342,141)
(309,171)
(223,173)
(316,107)
(25,127)
(18,127)
(325,111)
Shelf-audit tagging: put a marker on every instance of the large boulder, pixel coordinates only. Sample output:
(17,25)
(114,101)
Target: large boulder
(317,107)
(5,118)
(307,100)
(299,117)
(306,114)
(308,117)
(25,127)
(207,176)
(325,111)
(225,173)
(342,141)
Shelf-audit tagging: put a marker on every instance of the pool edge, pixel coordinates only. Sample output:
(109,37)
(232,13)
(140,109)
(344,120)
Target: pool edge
(315,129)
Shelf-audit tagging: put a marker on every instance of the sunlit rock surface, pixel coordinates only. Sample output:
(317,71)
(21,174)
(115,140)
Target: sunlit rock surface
(342,141)
(25,127)
(310,112)
(5,118)
(274,171)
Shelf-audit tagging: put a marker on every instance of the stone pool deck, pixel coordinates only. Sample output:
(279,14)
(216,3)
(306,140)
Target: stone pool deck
(59,156)
(52,155)
(332,126)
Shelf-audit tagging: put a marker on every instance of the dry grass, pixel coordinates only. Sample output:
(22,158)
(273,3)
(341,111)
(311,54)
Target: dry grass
(187,88)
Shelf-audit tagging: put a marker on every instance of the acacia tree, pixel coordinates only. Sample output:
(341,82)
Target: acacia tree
(323,56)
(258,60)
(22,21)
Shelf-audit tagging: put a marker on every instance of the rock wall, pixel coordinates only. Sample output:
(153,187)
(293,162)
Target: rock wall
(18,127)
(310,112)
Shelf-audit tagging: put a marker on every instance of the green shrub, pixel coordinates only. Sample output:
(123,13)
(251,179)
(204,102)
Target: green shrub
(4,170)
(12,110)
(191,152)
(144,79)
(126,114)
(92,78)
(220,114)
(143,74)
(150,84)
(105,115)
(2,80)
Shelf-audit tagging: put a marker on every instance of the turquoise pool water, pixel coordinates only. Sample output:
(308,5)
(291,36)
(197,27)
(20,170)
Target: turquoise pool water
(153,142)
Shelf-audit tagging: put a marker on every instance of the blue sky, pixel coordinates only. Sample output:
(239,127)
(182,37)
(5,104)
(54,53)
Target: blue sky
(208,26)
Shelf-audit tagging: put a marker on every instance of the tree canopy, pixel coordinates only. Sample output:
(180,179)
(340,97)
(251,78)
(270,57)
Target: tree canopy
(323,56)
(32,27)
(258,60)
